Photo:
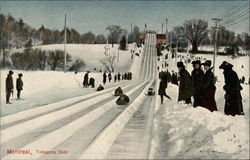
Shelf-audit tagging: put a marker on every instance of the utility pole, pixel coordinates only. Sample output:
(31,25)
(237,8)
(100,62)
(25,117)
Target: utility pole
(166,31)
(65,41)
(162,28)
(216,20)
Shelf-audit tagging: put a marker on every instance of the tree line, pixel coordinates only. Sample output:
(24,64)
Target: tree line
(37,59)
(196,32)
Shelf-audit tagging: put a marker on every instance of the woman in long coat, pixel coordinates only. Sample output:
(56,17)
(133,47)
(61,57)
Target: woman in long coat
(208,88)
(233,104)
(104,77)
(185,87)
(86,80)
(197,75)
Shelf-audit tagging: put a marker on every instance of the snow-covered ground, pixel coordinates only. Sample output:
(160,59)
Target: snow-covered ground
(182,131)
(43,87)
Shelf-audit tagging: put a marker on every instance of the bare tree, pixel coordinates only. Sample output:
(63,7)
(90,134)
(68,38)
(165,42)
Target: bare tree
(42,58)
(56,59)
(6,24)
(196,30)
(115,31)
(109,61)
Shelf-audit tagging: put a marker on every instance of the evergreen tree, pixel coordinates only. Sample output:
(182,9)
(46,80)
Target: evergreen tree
(123,44)
(28,44)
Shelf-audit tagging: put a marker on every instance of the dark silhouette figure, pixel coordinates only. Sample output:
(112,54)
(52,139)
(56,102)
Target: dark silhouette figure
(232,87)
(122,100)
(197,75)
(185,87)
(110,77)
(104,77)
(118,91)
(162,89)
(119,77)
(86,80)
(208,88)
(100,88)
(9,86)
(92,82)
(19,85)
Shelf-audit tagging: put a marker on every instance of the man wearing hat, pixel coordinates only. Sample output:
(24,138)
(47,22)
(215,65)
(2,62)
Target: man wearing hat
(86,80)
(197,75)
(185,87)
(9,86)
(208,88)
(19,85)
(233,104)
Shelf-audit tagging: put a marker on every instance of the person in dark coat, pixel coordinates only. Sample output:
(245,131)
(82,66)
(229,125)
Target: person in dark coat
(104,77)
(19,85)
(118,91)
(169,77)
(197,75)
(115,78)
(174,78)
(110,77)
(122,100)
(92,82)
(86,80)
(208,88)
(232,87)
(125,76)
(119,77)
(100,88)
(243,79)
(9,86)
(185,87)
(162,89)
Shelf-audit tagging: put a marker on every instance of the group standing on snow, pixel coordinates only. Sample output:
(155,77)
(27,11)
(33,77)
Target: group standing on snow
(201,86)
(9,86)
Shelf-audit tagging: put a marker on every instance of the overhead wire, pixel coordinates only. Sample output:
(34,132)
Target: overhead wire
(229,10)
(247,18)
(236,17)
(234,10)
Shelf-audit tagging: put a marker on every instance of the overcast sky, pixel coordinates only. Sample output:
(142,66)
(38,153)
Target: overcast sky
(94,16)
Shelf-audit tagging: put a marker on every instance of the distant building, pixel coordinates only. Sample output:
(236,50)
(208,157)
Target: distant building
(142,38)
(161,39)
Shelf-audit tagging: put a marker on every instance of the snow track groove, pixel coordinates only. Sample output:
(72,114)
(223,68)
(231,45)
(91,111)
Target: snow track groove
(135,139)
(101,145)
(49,118)
(35,112)
(61,134)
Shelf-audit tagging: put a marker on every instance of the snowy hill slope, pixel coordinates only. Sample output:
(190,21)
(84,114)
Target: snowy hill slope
(92,53)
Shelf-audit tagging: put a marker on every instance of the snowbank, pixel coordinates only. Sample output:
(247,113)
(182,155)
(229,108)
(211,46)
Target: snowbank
(184,132)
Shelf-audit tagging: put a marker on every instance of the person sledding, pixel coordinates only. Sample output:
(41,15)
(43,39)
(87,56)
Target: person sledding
(118,91)
(122,100)
(151,92)
(100,88)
